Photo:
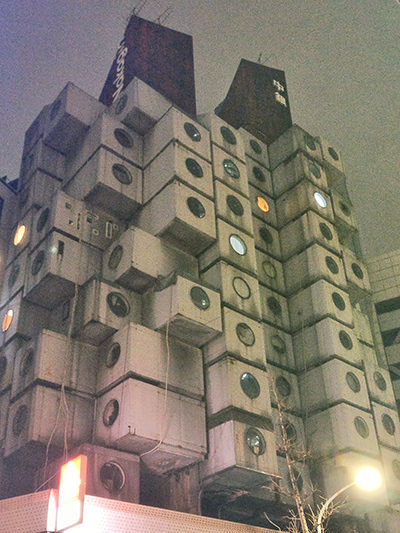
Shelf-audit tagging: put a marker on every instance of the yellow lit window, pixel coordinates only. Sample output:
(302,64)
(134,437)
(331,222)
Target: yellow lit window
(19,234)
(7,320)
(262,204)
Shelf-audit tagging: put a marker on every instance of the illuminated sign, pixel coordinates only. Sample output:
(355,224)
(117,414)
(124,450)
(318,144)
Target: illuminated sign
(71,493)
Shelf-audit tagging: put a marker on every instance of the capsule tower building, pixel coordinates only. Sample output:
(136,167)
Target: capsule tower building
(184,300)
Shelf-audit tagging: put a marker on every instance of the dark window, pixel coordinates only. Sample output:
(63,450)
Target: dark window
(122,174)
(113,354)
(250,385)
(115,257)
(110,412)
(326,232)
(192,131)
(331,264)
(231,169)
(194,167)
(255,441)
(259,174)
(235,205)
(199,297)
(118,304)
(112,477)
(353,382)
(196,207)
(123,137)
(228,135)
(245,334)
(255,146)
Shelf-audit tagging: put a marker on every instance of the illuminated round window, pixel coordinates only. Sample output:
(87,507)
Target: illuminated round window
(228,135)
(110,412)
(238,245)
(37,263)
(245,334)
(241,287)
(255,441)
(255,146)
(357,271)
(113,354)
(55,108)
(331,264)
(396,468)
(115,257)
(315,171)
(123,138)
(196,207)
(44,215)
(278,344)
(194,167)
(262,204)
(112,477)
(380,381)
(269,269)
(259,174)
(274,305)
(122,174)
(121,103)
(8,317)
(26,362)
(283,387)
(388,424)
(234,205)
(12,278)
(3,366)
(353,382)
(320,199)
(338,301)
(345,340)
(291,433)
(326,232)
(310,142)
(333,153)
(19,235)
(200,298)
(231,169)
(19,420)
(361,427)
(250,385)
(345,208)
(266,235)
(118,304)
(192,131)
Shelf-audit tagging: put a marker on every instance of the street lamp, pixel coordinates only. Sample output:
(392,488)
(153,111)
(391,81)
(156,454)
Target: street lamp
(367,478)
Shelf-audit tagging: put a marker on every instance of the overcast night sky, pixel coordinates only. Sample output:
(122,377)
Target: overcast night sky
(341,59)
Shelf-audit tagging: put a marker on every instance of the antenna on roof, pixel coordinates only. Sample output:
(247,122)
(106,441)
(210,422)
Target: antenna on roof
(164,15)
(264,61)
(138,8)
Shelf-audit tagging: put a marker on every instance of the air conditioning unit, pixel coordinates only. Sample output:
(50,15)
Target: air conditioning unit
(270,272)
(263,206)
(302,198)
(323,341)
(240,456)
(134,416)
(387,425)
(14,277)
(391,464)
(4,406)
(341,428)
(362,328)
(139,106)
(55,266)
(356,274)
(254,148)
(379,382)
(293,428)
(296,169)
(37,193)
(234,385)
(278,347)
(290,142)
(308,229)
(176,162)
(267,238)
(332,160)
(51,358)
(45,159)
(314,263)
(274,308)
(301,478)
(180,128)
(104,309)
(233,208)
(344,218)
(320,300)
(284,389)
(21,237)
(242,338)
(32,421)
(138,258)
(70,115)
(224,135)
(331,383)
(230,170)
(121,356)
(182,216)
(108,182)
(7,362)
(190,311)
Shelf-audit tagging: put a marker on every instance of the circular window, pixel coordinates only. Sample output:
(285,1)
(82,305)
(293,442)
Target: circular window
(245,334)
(199,298)
(241,287)
(238,245)
(194,167)
(112,477)
(250,385)
(255,146)
(310,142)
(338,301)
(12,278)
(345,340)
(44,215)
(19,420)
(228,135)
(121,103)
(26,362)
(259,174)
(396,468)
(331,264)
(55,108)
(118,304)
(262,204)
(113,354)
(8,317)
(3,366)
(123,138)
(291,433)
(196,207)
(353,382)
(345,208)
(315,171)
(361,427)
(333,153)
(192,131)
(326,232)
(283,387)
(122,174)
(266,235)
(357,271)
(231,169)
(269,269)
(278,344)
(388,424)
(274,305)
(380,381)
(234,205)
(255,441)
(320,199)
(37,263)
(110,413)
(115,257)
(19,235)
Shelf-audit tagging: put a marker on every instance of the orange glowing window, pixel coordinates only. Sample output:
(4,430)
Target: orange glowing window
(262,204)
(71,492)
(7,320)
(19,235)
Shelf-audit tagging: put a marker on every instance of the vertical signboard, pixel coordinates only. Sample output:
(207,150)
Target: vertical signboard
(71,493)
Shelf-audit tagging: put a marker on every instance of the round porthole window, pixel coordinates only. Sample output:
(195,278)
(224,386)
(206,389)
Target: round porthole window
(345,340)
(310,143)
(12,278)
(320,199)
(278,344)
(250,385)
(238,245)
(241,287)
(331,264)
(345,208)
(269,269)
(274,305)
(55,108)
(338,301)
(44,215)
(315,171)
(396,468)
(115,257)
(123,138)
(333,153)
(326,232)
(19,235)
(245,334)
(118,304)
(357,271)
(19,420)
(37,263)
(255,441)
(380,381)
(112,477)
(388,424)
(192,132)
(122,174)
(231,169)
(194,167)
(291,433)
(234,205)
(353,382)
(26,362)
(228,135)
(113,354)
(196,207)
(283,387)
(361,427)
(121,103)
(255,146)
(266,235)
(3,366)
(200,298)
(8,317)
(262,204)
(259,174)
(110,413)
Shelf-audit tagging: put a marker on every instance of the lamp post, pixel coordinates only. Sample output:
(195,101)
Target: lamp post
(367,478)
